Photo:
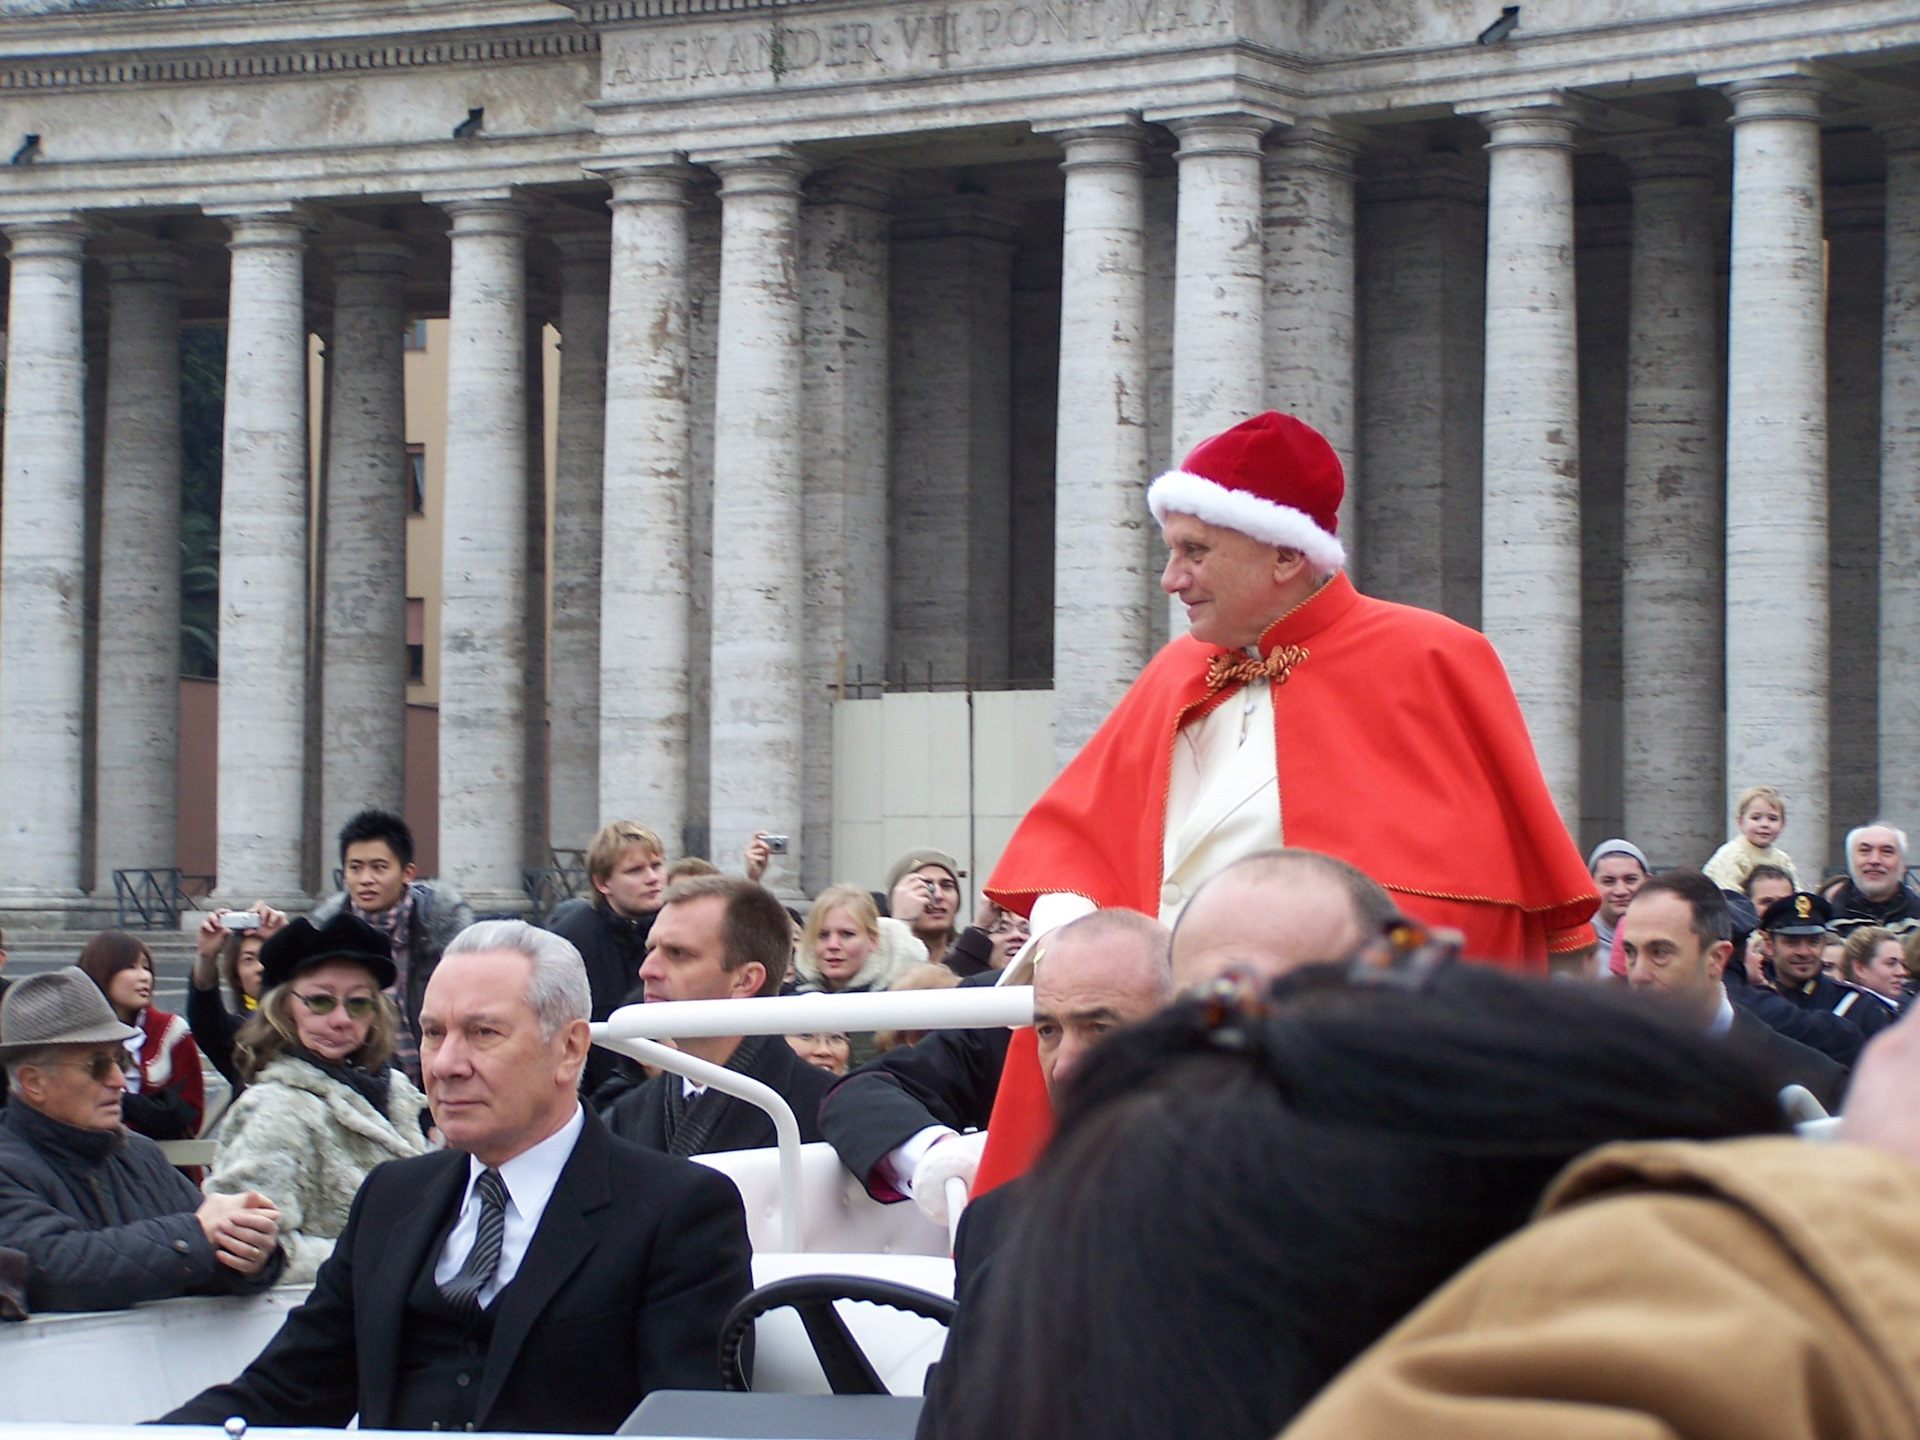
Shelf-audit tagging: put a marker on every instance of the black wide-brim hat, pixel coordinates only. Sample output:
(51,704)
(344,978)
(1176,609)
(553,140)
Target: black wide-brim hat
(299,945)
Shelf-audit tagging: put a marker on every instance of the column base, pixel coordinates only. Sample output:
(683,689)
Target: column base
(26,912)
(497,903)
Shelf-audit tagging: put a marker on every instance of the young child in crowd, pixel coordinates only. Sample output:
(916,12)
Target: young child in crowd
(1761,813)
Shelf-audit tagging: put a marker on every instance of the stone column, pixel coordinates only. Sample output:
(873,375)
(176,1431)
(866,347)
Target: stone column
(137,759)
(1219,286)
(758,515)
(264,501)
(1671,596)
(1900,484)
(363,621)
(844,269)
(42,570)
(1101,576)
(483,597)
(1423,278)
(1310,352)
(1777,597)
(952,408)
(645,505)
(1530,540)
(574,706)
(1856,286)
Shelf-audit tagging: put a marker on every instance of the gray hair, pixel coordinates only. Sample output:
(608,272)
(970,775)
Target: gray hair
(1899,835)
(43,1058)
(558,991)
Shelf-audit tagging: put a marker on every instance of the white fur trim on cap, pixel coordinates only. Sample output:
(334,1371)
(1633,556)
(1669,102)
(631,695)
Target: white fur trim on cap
(1264,520)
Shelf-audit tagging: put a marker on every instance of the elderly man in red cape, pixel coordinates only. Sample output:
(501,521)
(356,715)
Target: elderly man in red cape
(1295,711)
(1298,711)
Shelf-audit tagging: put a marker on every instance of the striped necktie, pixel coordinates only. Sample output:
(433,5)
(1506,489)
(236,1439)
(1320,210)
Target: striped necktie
(463,1291)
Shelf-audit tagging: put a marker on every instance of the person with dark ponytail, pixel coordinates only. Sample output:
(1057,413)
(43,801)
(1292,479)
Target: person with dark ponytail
(1247,1190)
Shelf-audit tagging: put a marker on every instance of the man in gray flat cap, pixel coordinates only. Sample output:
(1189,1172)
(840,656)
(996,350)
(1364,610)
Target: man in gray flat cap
(103,1220)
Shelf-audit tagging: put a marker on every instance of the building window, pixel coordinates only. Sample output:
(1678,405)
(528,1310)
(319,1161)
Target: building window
(414,337)
(416,639)
(416,479)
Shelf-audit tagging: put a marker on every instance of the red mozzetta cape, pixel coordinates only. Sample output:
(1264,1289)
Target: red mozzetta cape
(1401,749)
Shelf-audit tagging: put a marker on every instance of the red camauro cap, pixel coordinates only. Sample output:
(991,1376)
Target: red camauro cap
(1273,477)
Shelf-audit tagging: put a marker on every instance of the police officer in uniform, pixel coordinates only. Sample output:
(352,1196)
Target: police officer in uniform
(1796,927)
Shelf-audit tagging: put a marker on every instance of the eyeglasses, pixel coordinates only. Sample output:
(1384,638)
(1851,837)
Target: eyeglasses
(358,1006)
(100,1065)
(1009,925)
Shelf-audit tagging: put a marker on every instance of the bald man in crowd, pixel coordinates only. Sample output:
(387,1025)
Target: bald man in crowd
(1098,973)
(1276,911)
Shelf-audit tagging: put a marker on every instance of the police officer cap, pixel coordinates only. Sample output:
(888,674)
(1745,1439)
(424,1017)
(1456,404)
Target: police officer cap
(1801,913)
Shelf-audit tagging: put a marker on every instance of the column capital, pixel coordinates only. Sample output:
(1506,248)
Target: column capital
(774,170)
(868,186)
(1313,143)
(1854,207)
(1681,154)
(978,217)
(370,257)
(1441,175)
(61,236)
(1542,122)
(1120,146)
(665,183)
(1228,132)
(491,214)
(582,247)
(1899,135)
(1790,93)
(155,262)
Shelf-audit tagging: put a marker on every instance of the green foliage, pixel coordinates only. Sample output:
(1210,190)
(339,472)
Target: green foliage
(203,386)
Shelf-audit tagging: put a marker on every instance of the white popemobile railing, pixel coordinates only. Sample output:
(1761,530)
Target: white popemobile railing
(635,1031)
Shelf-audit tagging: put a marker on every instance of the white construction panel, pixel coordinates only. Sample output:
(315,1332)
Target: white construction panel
(936,769)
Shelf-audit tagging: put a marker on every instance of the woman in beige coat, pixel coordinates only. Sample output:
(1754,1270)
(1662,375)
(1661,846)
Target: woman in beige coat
(323,1105)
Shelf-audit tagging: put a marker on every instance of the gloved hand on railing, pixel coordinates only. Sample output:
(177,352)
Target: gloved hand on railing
(954,1158)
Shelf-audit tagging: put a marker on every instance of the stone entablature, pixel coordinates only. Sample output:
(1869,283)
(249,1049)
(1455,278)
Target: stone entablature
(177,103)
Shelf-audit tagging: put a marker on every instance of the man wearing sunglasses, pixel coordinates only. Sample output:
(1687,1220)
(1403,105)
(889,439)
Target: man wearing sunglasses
(103,1219)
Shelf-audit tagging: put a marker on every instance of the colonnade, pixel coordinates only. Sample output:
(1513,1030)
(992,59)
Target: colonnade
(1264,312)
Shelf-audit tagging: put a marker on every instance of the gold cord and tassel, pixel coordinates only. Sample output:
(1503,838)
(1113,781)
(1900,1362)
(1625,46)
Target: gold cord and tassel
(1228,668)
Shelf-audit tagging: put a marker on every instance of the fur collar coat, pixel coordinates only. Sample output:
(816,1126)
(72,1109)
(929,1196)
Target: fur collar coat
(306,1141)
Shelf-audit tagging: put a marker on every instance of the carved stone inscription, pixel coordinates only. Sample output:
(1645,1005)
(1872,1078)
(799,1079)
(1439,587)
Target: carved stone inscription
(846,47)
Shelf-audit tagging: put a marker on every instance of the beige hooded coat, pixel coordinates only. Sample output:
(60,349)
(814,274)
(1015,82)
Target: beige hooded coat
(1753,1288)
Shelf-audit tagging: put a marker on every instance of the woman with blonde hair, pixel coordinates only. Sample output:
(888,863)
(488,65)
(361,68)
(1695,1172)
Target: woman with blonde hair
(1874,962)
(848,947)
(323,1103)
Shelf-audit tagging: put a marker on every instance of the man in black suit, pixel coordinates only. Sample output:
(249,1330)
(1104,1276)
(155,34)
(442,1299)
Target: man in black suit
(718,937)
(1676,936)
(540,1274)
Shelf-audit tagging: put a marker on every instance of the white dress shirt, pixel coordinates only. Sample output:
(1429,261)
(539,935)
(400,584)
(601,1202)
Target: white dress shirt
(529,1177)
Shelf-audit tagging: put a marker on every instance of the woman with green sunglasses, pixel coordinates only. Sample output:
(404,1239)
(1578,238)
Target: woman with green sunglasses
(323,1104)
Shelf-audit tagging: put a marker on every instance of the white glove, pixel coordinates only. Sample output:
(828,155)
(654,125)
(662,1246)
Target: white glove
(955,1158)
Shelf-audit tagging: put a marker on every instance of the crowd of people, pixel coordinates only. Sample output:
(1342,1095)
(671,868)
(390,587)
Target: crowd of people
(1357,1127)
(1411,1116)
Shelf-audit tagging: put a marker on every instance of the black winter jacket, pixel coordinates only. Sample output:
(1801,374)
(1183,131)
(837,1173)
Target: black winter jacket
(104,1220)
(613,948)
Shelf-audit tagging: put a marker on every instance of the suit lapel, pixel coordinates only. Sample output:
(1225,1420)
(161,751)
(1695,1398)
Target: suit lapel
(380,1320)
(569,1228)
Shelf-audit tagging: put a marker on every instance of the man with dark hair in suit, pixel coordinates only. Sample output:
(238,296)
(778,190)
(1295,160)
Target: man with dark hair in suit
(717,937)
(1676,935)
(539,1274)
